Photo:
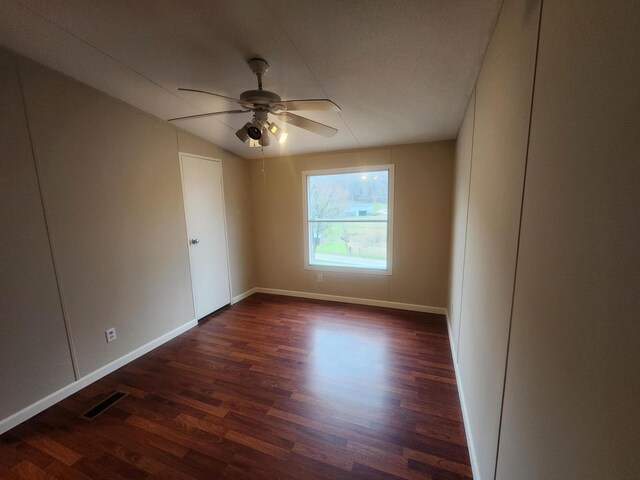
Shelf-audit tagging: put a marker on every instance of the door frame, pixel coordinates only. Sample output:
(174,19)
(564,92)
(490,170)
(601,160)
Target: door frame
(181,155)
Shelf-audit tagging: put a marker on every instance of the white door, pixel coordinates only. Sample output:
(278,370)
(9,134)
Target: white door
(206,232)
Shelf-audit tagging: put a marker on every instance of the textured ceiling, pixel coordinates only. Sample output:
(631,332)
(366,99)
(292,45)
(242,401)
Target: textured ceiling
(402,71)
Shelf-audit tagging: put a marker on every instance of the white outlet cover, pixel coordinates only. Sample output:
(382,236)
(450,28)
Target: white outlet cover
(110,334)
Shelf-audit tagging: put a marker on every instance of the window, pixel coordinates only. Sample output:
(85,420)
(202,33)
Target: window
(348,219)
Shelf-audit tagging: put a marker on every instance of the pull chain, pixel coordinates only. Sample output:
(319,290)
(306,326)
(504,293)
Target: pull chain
(264,173)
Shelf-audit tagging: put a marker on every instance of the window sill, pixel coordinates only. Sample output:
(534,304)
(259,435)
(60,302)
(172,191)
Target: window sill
(351,270)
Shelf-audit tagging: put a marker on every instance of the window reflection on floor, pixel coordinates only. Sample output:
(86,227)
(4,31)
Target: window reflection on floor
(348,367)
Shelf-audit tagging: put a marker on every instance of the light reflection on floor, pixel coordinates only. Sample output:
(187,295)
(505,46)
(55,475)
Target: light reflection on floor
(347,367)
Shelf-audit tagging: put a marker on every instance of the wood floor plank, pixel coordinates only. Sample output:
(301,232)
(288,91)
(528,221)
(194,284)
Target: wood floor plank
(271,388)
(27,470)
(462,470)
(51,447)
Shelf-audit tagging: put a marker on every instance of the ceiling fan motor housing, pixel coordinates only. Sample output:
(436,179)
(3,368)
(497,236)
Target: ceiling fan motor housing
(259,97)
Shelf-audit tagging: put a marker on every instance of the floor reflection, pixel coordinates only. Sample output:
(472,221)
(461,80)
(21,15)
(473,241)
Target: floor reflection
(348,367)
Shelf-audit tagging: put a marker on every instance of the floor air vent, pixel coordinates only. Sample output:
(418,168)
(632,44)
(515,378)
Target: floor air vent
(111,399)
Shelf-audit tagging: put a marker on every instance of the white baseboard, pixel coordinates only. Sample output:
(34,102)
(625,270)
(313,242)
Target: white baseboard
(451,340)
(37,407)
(242,296)
(463,405)
(359,301)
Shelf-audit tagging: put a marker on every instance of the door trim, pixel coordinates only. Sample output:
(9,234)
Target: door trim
(181,155)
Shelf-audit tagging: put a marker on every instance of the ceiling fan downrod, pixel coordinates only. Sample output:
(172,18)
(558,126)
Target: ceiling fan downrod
(259,66)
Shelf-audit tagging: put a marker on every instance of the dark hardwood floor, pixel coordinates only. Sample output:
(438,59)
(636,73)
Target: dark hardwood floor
(271,388)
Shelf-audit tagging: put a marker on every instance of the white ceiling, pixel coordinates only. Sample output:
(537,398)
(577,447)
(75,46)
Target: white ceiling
(402,71)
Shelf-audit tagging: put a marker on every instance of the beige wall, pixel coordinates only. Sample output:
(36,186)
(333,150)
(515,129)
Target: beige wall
(111,187)
(111,190)
(34,353)
(573,384)
(569,259)
(462,174)
(500,131)
(423,183)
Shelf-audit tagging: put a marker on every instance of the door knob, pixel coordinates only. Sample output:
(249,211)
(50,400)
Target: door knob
(194,241)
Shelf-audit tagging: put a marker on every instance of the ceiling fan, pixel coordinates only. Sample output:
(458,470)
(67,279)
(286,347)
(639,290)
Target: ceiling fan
(264,103)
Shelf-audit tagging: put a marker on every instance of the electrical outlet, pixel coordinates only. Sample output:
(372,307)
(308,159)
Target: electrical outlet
(110,334)
(320,278)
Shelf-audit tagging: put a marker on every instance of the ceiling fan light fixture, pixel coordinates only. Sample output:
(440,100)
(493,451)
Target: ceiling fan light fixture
(277,132)
(264,139)
(254,132)
(243,133)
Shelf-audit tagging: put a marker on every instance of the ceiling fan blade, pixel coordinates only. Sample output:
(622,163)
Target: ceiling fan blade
(311,105)
(210,93)
(311,125)
(202,115)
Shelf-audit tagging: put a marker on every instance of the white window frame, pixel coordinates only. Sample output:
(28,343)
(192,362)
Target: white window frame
(305,219)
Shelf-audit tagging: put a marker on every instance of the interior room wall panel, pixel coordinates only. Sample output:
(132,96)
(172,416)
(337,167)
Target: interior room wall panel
(111,186)
(35,358)
(462,177)
(502,107)
(572,387)
(422,224)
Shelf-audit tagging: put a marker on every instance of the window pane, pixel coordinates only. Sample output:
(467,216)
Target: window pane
(348,196)
(348,244)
